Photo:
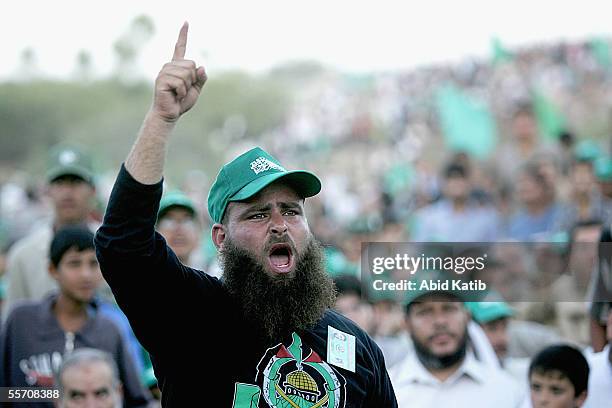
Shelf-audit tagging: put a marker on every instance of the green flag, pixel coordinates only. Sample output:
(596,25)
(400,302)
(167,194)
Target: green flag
(397,178)
(549,117)
(467,124)
(499,52)
(601,51)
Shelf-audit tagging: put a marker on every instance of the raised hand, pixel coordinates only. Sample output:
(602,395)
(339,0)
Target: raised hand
(177,89)
(178,84)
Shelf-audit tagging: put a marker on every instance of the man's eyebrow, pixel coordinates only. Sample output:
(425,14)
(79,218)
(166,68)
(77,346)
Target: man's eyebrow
(257,207)
(267,207)
(289,204)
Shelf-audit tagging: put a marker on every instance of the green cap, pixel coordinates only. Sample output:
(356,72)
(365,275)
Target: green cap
(431,278)
(69,160)
(587,151)
(484,312)
(174,199)
(3,286)
(603,169)
(251,172)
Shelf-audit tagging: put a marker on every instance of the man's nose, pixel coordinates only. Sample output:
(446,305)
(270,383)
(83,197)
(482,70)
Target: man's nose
(91,402)
(542,400)
(440,321)
(277,223)
(90,271)
(66,188)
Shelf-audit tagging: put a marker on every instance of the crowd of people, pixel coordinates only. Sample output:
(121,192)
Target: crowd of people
(540,206)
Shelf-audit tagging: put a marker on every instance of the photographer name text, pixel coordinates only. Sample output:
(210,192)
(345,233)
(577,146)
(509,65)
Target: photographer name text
(430,285)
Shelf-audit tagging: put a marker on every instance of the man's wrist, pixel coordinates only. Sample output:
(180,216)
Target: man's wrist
(145,163)
(158,120)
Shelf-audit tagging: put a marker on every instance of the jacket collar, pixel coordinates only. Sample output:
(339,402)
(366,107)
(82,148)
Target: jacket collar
(48,325)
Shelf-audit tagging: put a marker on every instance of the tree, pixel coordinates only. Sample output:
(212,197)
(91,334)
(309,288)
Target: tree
(129,45)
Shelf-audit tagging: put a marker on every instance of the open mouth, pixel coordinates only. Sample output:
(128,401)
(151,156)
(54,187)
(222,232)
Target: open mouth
(281,258)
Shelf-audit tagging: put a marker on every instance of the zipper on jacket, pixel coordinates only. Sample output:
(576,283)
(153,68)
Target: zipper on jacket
(69,343)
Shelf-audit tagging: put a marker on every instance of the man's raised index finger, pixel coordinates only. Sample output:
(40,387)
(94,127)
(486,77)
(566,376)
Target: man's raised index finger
(181,43)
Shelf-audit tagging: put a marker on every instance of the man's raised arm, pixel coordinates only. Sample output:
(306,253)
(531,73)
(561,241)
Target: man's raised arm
(133,258)
(131,213)
(177,89)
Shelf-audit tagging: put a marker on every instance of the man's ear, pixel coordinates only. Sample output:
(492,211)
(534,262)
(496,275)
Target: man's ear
(467,314)
(52,271)
(218,235)
(407,324)
(579,400)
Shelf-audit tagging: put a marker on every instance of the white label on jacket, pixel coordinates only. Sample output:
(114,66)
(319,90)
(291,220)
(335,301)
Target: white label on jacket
(340,349)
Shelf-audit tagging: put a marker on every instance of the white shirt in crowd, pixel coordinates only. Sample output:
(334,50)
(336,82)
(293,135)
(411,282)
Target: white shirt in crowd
(473,385)
(600,380)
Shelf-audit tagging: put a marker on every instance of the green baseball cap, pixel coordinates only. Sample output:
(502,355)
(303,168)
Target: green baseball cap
(432,278)
(484,312)
(69,160)
(587,151)
(603,169)
(250,173)
(3,285)
(173,199)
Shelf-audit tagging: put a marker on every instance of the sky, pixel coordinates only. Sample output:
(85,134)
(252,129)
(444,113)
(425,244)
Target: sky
(352,36)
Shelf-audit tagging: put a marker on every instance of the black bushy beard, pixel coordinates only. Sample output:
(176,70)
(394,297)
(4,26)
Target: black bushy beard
(434,362)
(278,306)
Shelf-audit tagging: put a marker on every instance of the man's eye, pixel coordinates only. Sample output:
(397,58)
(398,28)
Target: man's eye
(291,212)
(76,396)
(257,216)
(557,390)
(424,312)
(450,308)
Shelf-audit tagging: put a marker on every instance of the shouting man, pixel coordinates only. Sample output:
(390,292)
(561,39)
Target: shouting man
(262,336)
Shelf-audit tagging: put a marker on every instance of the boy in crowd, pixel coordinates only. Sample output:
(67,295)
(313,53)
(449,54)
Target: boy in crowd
(558,378)
(37,336)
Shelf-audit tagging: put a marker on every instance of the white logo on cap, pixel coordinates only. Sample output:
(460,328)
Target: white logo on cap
(67,157)
(262,164)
